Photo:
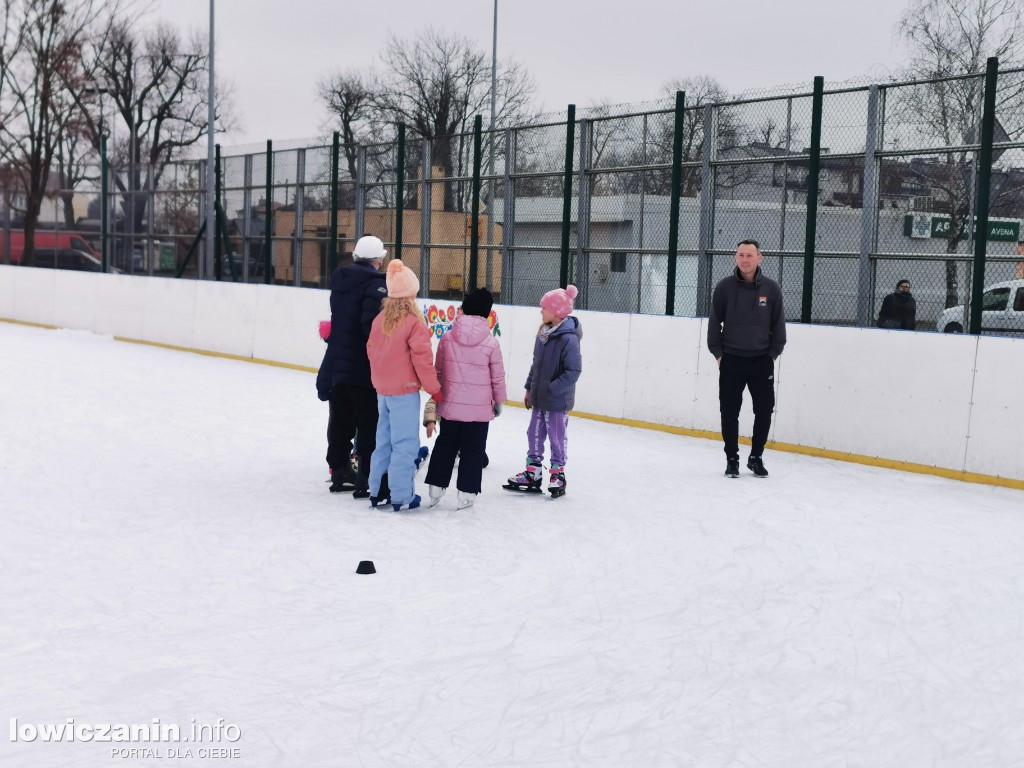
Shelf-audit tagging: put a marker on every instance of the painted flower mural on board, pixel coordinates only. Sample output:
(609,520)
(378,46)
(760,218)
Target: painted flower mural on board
(440,319)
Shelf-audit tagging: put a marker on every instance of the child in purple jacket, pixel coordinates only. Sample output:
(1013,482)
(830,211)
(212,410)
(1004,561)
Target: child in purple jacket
(472,376)
(551,391)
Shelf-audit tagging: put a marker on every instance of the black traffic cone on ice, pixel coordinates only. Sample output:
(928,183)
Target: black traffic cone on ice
(366,566)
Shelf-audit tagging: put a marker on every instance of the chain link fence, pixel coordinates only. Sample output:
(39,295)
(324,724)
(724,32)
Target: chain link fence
(887,178)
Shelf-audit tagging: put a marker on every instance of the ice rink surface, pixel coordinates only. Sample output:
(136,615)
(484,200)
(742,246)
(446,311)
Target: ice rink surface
(170,550)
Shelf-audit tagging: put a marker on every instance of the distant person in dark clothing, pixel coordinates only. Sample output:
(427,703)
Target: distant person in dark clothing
(344,378)
(746,333)
(899,309)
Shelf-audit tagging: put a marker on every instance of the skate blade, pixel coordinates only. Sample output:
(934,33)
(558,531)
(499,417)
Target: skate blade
(520,489)
(557,493)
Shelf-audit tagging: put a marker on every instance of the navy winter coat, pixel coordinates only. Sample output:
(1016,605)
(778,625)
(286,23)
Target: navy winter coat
(557,365)
(356,294)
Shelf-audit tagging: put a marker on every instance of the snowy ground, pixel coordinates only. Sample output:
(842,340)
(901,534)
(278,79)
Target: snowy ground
(169,550)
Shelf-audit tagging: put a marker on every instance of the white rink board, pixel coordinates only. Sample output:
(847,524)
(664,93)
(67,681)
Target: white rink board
(519,326)
(287,322)
(8,275)
(225,318)
(120,306)
(605,352)
(664,354)
(74,298)
(169,311)
(887,394)
(996,445)
(34,295)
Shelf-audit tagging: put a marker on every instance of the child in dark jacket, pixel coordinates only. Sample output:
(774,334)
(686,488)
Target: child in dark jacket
(551,391)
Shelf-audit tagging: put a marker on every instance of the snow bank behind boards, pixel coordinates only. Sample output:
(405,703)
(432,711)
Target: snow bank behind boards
(950,402)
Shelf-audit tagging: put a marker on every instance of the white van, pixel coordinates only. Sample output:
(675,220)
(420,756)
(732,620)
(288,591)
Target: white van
(1002,311)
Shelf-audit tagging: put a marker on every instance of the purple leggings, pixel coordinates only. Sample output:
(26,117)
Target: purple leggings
(551,425)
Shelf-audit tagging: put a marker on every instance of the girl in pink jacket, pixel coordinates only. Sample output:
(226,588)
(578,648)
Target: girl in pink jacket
(472,376)
(400,365)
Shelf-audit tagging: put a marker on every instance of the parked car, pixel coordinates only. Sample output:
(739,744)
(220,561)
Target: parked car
(68,258)
(46,239)
(1002,311)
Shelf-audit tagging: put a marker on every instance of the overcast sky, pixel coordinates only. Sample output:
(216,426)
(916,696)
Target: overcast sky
(579,51)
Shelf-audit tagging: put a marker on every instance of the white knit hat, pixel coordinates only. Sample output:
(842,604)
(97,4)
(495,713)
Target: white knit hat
(369,248)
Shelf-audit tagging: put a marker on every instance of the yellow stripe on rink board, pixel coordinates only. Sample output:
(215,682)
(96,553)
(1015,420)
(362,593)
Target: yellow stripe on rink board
(823,453)
(31,325)
(225,355)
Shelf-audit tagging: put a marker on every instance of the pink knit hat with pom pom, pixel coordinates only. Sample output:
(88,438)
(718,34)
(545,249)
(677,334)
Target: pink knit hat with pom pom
(401,281)
(559,301)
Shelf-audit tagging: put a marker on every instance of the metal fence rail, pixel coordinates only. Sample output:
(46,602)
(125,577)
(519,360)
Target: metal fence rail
(847,189)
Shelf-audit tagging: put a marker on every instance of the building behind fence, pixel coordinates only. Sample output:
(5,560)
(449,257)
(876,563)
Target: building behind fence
(863,171)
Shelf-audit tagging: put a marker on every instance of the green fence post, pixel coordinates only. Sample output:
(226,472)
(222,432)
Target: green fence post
(217,250)
(988,119)
(332,246)
(400,191)
(474,226)
(570,135)
(222,234)
(268,212)
(104,204)
(673,210)
(813,167)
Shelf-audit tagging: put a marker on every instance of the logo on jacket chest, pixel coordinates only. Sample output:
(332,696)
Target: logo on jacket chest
(762,301)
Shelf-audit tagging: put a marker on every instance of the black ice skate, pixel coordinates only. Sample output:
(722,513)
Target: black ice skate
(732,468)
(527,481)
(343,479)
(556,485)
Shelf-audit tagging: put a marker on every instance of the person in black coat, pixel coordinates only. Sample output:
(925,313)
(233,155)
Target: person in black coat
(899,309)
(344,377)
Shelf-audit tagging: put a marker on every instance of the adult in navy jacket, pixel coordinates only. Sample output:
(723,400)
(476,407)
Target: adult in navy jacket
(344,377)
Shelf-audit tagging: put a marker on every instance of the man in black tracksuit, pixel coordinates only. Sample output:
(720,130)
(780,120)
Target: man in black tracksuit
(746,332)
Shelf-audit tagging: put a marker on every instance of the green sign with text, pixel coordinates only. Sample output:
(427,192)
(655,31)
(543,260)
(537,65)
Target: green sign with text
(926,225)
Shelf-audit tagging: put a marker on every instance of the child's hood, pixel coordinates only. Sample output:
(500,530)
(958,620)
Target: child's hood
(470,330)
(569,325)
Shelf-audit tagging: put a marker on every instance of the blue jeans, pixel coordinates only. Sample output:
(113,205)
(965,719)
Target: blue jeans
(398,445)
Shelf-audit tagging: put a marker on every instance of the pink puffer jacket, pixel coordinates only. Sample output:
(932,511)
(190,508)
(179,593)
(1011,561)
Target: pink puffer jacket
(471,371)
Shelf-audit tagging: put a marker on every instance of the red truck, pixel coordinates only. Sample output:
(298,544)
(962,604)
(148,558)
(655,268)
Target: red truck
(45,239)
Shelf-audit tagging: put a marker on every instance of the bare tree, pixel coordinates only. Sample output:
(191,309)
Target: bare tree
(701,91)
(74,162)
(350,98)
(436,83)
(157,81)
(41,57)
(949,38)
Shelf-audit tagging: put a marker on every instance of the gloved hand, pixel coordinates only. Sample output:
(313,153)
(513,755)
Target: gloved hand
(431,426)
(526,400)
(325,329)
(496,408)
(438,397)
